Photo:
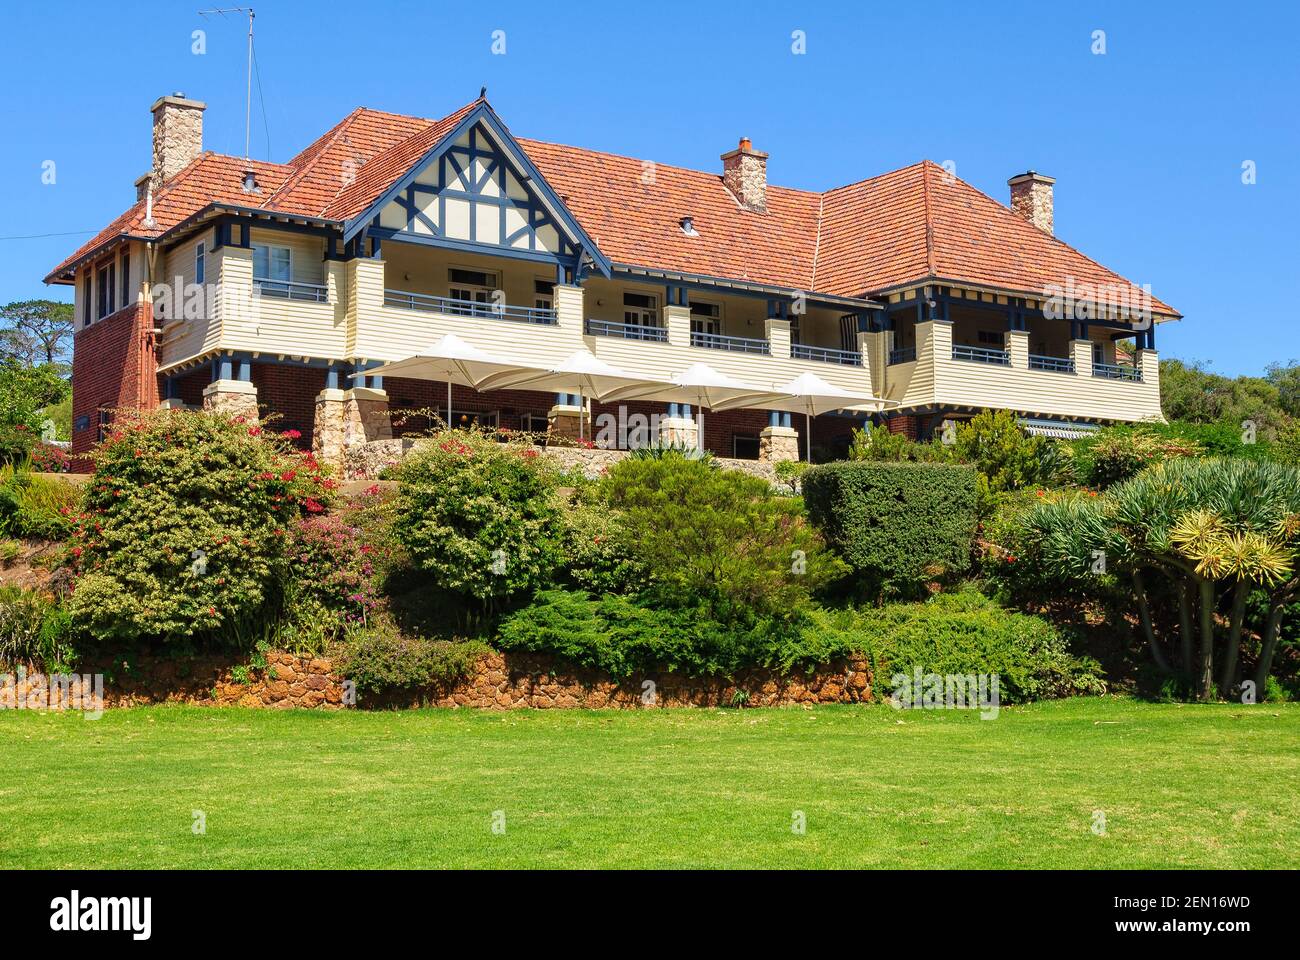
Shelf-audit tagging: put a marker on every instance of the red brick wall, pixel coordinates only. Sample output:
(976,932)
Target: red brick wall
(189,388)
(905,425)
(510,405)
(289,390)
(113,367)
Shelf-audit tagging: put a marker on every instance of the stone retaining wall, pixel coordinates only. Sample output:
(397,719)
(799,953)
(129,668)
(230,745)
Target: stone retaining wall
(499,682)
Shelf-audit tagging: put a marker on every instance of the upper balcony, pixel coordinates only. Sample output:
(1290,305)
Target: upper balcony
(1062,377)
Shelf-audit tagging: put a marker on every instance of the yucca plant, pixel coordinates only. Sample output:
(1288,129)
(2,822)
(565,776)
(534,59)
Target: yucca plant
(1209,526)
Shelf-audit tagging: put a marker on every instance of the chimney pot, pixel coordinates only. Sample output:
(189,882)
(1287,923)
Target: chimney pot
(177,136)
(1031,198)
(744,173)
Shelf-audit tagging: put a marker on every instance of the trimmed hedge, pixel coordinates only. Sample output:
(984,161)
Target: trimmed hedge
(897,524)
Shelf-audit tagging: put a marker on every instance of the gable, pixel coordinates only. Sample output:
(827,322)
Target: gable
(470,193)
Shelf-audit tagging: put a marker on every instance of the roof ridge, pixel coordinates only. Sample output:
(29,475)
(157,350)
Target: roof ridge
(929,223)
(878,176)
(330,139)
(817,244)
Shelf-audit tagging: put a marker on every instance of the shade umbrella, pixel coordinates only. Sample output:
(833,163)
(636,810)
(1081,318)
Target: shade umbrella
(703,387)
(810,395)
(582,373)
(453,360)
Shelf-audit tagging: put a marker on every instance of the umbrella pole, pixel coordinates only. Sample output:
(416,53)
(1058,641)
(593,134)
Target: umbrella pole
(699,430)
(448,404)
(807,423)
(582,410)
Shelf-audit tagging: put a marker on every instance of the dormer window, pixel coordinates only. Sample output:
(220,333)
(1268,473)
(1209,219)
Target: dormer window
(688,227)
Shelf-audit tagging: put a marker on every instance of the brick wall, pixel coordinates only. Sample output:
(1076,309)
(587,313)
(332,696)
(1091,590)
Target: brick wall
(510,405)
(113,367)
(289,390)
(906,425)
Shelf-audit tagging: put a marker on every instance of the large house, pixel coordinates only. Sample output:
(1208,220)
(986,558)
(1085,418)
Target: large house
(239,285)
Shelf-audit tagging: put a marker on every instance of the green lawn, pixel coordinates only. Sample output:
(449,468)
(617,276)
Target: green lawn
(1206,786)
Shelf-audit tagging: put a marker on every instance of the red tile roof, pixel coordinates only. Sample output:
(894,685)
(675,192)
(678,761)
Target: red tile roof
(899,228)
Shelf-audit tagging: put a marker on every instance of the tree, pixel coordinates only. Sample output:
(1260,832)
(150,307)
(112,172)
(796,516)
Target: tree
(24,393)
(1216,529)
(36,332)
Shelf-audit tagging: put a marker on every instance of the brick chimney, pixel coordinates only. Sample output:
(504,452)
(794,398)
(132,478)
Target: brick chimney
(1031,198)
(744,173)
(177,136)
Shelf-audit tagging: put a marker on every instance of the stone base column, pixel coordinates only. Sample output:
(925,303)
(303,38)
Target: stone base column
(328,430)
(234,398)
(778,443)
(366,416)
(564,421)
(172,404)
(680,432)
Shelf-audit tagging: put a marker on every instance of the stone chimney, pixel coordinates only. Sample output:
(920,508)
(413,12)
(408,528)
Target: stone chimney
(177,136)
(1031,198)
(744,173)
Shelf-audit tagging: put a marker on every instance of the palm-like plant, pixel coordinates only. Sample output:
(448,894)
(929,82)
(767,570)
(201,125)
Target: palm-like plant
(1206,525)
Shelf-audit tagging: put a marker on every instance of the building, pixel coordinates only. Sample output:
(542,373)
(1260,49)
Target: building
(235,284)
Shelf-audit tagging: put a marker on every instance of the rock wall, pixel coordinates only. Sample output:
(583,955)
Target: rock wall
(499,682)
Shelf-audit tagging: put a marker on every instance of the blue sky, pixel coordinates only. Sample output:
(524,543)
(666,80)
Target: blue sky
(1146,141)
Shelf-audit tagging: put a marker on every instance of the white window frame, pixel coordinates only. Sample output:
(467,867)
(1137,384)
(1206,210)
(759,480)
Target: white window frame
(270,263)
(641,316)
(707,325)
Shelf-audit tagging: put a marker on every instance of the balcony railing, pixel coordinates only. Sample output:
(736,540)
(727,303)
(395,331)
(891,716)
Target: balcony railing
(1117,371)
(627,331)
(1054,364)
(961,351)
(716,341)
(290,290)
(902,355)
(849,358)
(468,308)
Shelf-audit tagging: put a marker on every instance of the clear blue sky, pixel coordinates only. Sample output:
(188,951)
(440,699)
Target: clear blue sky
(1146,141)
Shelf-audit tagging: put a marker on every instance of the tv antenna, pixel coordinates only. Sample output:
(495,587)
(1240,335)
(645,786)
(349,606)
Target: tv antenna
(248,94)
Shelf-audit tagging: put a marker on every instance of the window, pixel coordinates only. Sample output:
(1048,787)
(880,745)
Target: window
(641,309)
(706,318)
(544,294)
(126,278)
(1098,353)
(200,264)
(472,287)
(744,447)
(534,423)
(105,421)
(272,263)
(104,290)
(992,338)
(85,300)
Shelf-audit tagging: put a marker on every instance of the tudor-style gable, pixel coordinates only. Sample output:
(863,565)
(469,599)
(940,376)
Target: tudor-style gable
(477,191)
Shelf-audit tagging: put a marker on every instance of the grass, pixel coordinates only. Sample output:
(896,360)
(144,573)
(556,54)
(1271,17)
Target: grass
(1180,786)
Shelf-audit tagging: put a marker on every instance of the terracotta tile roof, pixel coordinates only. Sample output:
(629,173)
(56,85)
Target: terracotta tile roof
(898,228)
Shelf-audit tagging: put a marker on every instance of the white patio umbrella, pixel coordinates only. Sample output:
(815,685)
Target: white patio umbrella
(582,373)
(703,387)
(810,395)
(453,360)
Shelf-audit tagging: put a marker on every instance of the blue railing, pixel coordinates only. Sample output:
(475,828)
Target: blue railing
(961,351)
(716,341)
(468,308)
(628,331)
(849,358)
(1117,371)
(1054,364)
(902,355)
(290,290)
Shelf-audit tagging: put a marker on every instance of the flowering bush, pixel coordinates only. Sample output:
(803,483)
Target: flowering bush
(479,516)
(332,586)
(185,526)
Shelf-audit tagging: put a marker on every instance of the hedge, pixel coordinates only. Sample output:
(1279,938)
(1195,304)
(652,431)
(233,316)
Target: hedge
(897,524)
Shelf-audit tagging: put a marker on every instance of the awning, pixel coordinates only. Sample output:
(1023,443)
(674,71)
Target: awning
(1057,430)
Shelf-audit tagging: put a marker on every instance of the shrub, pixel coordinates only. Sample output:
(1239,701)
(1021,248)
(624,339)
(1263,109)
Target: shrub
(34,629)
(1007,458)
(718,536)
(479,516)
(897,524)
(383,659)
(24,393)
(35,507)
(878,443)
(622,636)
(185,525)
(958,633)
(598,554)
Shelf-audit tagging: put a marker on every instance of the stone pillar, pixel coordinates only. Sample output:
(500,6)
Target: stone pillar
(778,443)
(235,398)
(172,403)
(365,416)
(329,431)
(1081,351)
(1018,348)
(564,420)
(678,429)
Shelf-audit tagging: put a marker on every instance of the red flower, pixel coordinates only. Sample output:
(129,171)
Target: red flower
(254,431)
(292,434)
(288,476)
(312,506)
